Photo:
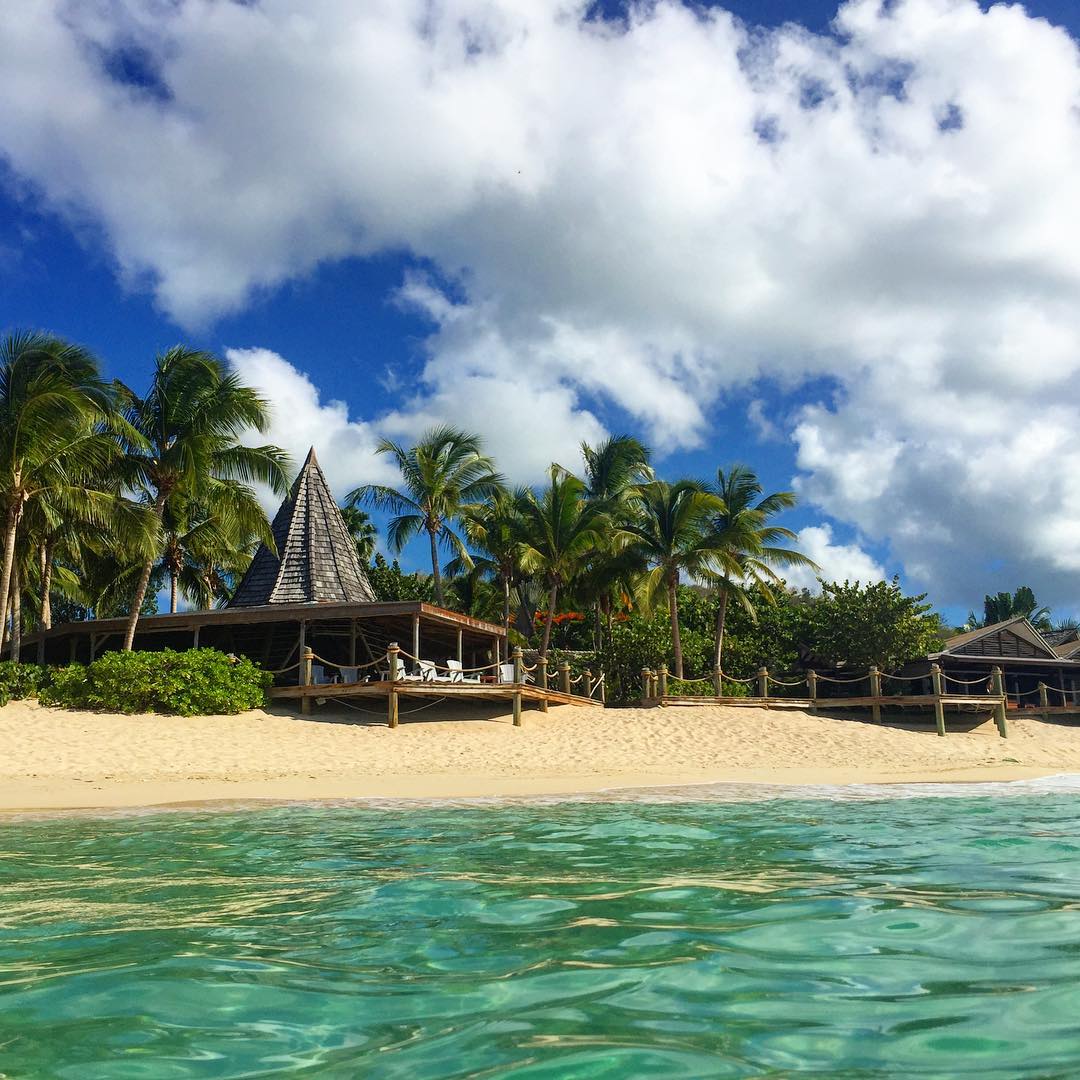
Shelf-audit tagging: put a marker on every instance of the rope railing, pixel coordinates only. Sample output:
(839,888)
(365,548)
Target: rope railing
(842,682)
(359,667)
(1057,690)
(780,682)
(675,678)
(281,671)
(967,682)
(731,678)
(899,678)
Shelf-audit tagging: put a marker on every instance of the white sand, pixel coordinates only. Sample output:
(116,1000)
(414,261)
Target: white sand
(53,758)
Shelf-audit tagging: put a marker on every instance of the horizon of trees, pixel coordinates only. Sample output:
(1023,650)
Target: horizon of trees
(110,497)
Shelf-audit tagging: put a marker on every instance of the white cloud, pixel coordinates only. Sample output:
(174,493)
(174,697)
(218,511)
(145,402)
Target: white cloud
(650,213)
(300,419)
(836,562)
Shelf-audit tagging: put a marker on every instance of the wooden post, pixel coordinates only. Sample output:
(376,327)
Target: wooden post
(939,705)
(763,682)
(587,680)
(541,681)
(392,698)
(999,708)
(1044,701)
(517,686)
(460,646)
(646,685)
(352,643)
(811,686)
(663,681)
(74,648)
(603,689)
(875,692)
(305,678)
(718,681)
(416,637)
(564,676)
(195,638)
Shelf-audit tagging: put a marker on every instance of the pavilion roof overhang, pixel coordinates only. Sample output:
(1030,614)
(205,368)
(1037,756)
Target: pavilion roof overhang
(278,613)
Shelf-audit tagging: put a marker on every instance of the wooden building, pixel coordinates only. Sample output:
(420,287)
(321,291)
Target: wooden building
(312,591)
(1026,659)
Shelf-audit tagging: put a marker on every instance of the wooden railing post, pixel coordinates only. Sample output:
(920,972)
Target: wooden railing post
(939,705)
(663,680)
(1044,700)
(392,699)
(603,689)
(541,681)
(517,686)
(763,682)
(718,681)
(306,656)
(811,687)
(875,692)
(564,676)
(587,680)
(998,683)
(646,685)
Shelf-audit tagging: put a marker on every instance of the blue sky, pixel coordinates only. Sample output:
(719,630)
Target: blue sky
(337,313)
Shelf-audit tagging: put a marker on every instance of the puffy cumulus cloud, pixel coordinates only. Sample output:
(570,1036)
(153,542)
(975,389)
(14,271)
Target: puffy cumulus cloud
(300,419)
(652,210)
(836,562)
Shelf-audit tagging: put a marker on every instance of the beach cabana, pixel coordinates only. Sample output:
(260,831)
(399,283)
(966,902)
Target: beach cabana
(311,592)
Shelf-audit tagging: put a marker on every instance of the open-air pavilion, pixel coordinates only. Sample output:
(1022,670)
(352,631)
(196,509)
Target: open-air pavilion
(307,612)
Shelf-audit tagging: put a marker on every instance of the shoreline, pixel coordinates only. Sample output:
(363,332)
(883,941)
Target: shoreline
(21,797)
(55,760)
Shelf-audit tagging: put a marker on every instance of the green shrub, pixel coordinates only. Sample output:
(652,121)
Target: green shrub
(197,682)
(19,681)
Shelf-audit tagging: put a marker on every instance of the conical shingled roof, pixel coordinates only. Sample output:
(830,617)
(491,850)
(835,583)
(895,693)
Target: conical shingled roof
(316,560)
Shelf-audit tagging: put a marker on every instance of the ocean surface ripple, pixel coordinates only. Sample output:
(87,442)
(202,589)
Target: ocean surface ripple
(915,937)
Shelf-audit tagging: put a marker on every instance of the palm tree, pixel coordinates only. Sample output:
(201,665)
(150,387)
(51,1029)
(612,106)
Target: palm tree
(1009,605)
(362,531)
(613,470)
(52,407)
(494,530)
(560,529)
(188,425)
(670,534)
(443,474)
(748,549)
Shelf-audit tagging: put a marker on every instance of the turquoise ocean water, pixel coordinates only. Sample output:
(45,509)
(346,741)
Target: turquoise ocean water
(716,937)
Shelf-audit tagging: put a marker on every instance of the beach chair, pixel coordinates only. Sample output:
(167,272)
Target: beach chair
(349,674)
(319,676)
(457,675)
(506,674)
(426,671)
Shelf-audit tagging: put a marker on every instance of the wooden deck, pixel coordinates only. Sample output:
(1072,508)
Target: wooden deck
(392,692)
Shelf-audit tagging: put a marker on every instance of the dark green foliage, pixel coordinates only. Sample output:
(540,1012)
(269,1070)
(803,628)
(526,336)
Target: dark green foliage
(1008,605)
(632,645)
(197,682)
(19,681)
(390,582)
(862,625)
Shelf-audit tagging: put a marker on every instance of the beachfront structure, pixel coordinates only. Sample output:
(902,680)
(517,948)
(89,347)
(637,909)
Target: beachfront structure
(1024,655)
(310,593)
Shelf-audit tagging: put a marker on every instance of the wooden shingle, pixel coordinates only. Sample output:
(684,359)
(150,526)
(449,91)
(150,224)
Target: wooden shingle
(316,561)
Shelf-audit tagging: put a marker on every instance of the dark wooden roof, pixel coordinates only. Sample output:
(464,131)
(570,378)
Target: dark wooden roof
(316,561)
(1015,638)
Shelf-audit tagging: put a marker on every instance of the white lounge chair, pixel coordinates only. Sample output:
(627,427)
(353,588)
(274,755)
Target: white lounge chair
(457,675)
(506,674)
(319,676)
(427,671)
(349,674)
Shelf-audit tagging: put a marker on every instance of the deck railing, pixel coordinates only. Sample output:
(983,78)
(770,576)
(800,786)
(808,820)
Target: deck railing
(656,687)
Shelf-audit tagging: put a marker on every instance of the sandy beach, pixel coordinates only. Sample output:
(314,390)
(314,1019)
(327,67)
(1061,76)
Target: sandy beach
(58,759)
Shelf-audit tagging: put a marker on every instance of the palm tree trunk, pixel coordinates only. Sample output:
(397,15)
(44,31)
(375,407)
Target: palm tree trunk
(506,603)
(46,584)
(721,618)
(144,580)
(172,592)
(11,526)
(598,627)
(553,596)
(676,640)
(436,577)
(16,616)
